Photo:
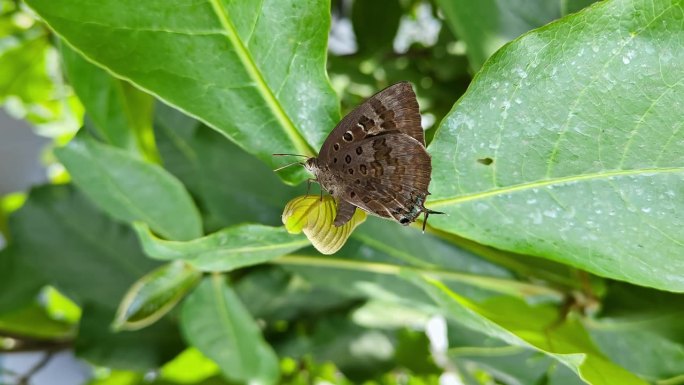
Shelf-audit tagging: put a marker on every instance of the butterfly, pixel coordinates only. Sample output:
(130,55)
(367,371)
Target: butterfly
(375,159)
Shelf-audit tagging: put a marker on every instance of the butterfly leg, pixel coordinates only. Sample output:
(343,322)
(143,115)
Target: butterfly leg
(427,213)
(345,211)
(308,184)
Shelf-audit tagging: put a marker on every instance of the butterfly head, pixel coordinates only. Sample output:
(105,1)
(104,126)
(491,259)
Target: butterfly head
(311,165)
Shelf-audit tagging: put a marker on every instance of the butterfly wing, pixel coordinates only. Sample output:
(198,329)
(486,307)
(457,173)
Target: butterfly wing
(393,109)
(387,175)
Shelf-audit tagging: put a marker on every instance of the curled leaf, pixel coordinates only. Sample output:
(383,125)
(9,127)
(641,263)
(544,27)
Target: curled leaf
(314,216)
(155,294)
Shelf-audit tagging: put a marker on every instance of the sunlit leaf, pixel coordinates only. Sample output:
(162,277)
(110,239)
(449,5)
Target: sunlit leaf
(189,367)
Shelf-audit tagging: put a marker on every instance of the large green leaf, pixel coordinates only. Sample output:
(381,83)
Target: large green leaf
(255,71)
(568,146)
(538,327)
(486,25)
(216,322)
(77,248)
(226,250)
(131,189)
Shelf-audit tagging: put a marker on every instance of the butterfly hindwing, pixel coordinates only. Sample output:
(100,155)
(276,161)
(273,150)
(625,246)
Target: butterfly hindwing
(387,175)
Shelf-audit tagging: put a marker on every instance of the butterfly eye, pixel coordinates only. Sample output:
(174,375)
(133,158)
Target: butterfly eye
(404,221)
(348,136)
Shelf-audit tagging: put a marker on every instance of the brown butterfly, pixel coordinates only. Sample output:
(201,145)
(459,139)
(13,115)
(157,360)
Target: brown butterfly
(375,159)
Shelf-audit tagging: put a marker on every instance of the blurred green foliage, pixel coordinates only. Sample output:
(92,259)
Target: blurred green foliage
(178,106)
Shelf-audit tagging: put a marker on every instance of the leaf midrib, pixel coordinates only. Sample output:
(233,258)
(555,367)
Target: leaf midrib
(249,249)
(274,105)
(549,182)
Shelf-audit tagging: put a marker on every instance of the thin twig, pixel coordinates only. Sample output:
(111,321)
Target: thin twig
(26,378)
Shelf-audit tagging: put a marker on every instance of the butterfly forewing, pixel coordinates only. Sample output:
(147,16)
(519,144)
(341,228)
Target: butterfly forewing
(393,109)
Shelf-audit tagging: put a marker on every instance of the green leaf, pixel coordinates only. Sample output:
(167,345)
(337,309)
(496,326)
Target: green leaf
(360,353)
(255,71)
(226,250)
(75,247)
(272,294)
(641,329)
(140,350)
(19,278)
(120,113)
(130,189)
(520,324)
(189,367)
(215,321)
(569,147)
(472,352)
(60,307)
(154,295)
(486,25)
(33,321)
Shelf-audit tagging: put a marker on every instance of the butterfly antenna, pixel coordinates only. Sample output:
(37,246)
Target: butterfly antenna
(288,165)
(427,213)
(303,156)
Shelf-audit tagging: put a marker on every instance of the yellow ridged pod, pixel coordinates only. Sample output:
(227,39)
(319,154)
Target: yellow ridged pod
(314,216)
